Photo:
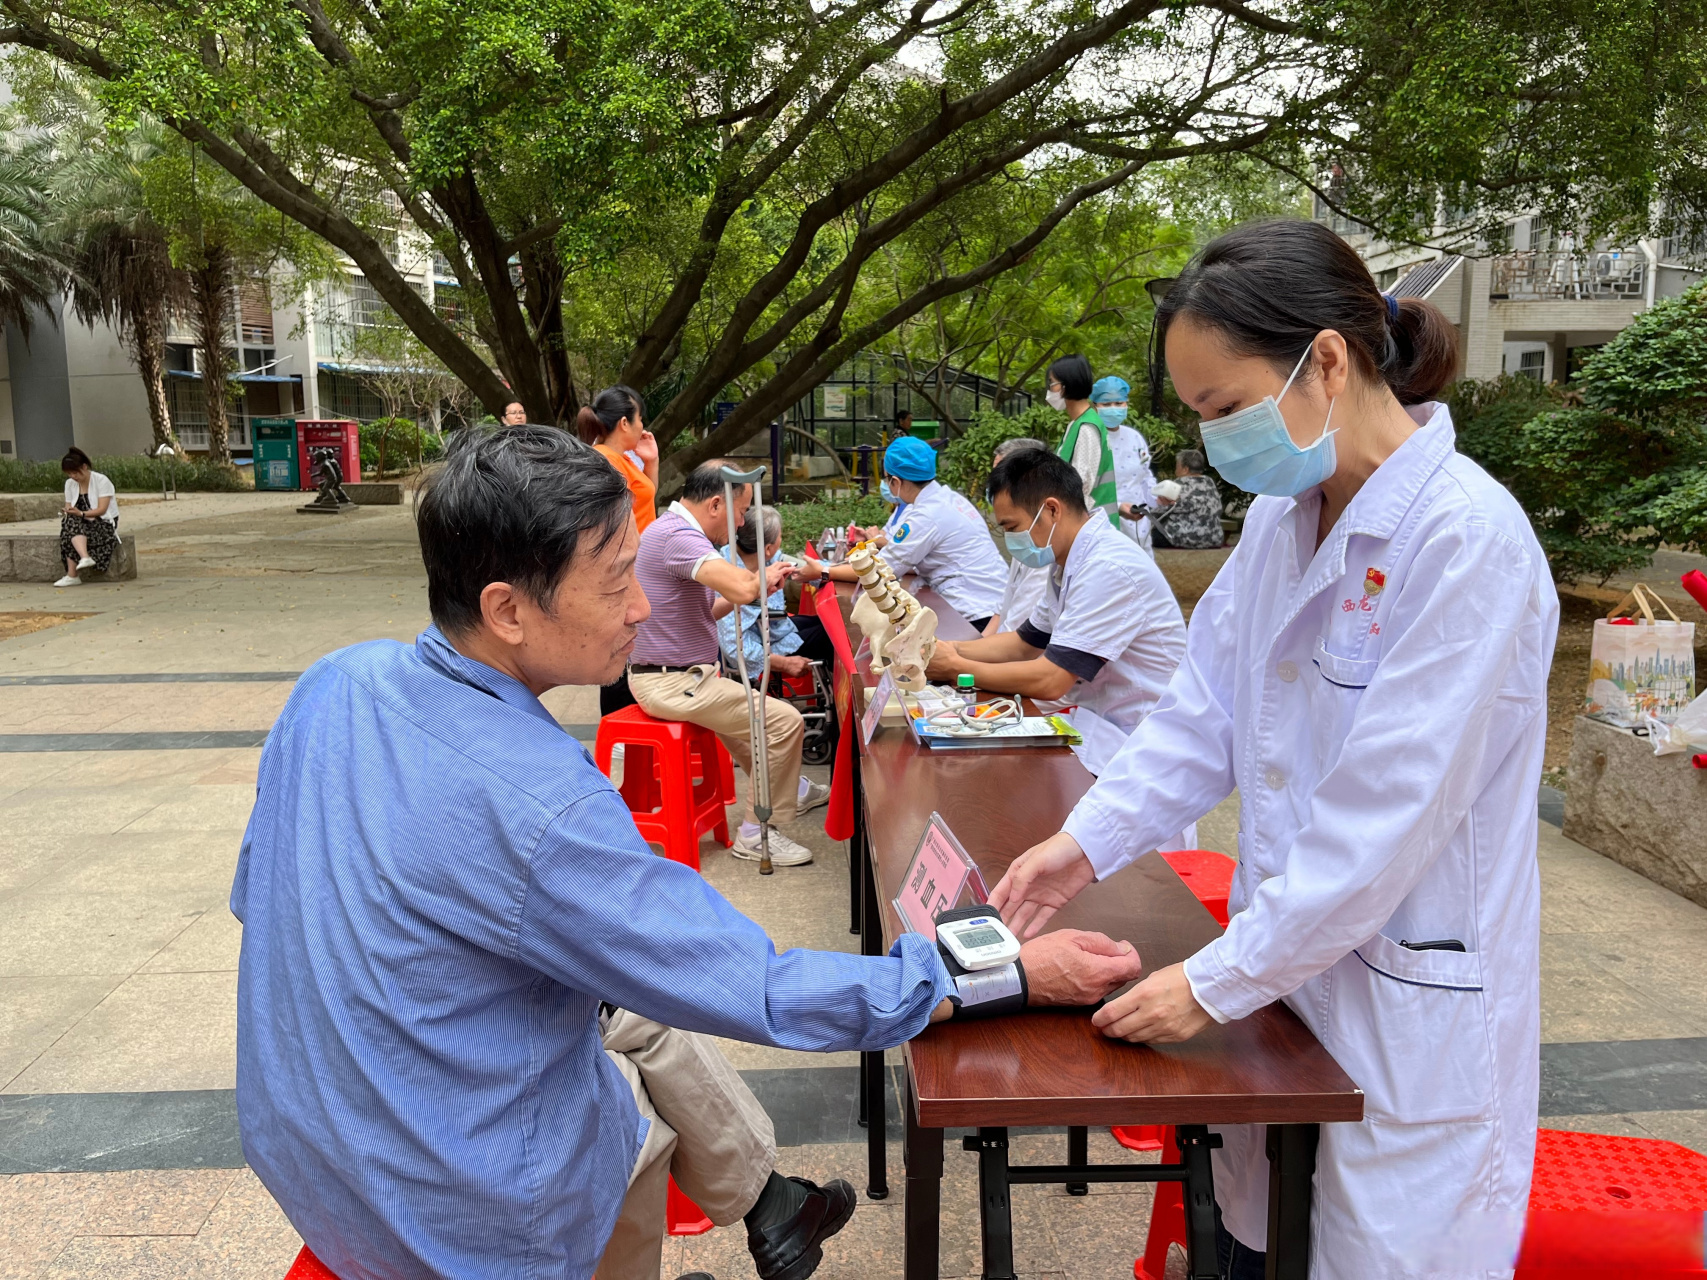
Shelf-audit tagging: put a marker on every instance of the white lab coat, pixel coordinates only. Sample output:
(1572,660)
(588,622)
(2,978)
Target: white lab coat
(1134,483)
(1108,612)
(943,538)
(1380,704)
(1025,588)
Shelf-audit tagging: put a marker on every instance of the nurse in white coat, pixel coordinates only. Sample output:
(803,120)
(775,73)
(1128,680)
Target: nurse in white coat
(1369,670)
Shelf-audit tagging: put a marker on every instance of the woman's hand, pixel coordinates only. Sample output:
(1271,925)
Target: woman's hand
(813,572)
(646,448)
(1042,880)
(1159,1010)
(775,576)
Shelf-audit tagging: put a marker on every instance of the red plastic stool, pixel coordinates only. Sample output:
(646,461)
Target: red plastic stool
(308,1267)
(685,1217)
(1167,1210)
(1209,875)
(1603,1206)
(674,777)
(1143,1137)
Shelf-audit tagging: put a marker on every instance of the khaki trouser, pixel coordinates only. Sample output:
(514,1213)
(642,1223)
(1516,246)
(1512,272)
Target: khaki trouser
(707,1130)
(719,705)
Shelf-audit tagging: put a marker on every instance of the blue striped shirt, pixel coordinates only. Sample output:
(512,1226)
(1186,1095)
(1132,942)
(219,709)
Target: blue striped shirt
(438,888)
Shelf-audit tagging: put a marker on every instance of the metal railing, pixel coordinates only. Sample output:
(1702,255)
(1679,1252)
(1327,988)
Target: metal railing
(1551,276)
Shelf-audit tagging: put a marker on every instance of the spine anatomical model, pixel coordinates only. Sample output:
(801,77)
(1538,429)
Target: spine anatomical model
(878,579)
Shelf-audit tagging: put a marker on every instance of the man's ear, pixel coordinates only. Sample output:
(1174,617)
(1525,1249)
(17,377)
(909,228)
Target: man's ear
(498,609)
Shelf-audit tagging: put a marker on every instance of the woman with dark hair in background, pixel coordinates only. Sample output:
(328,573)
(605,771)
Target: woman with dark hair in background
(1369,671)
(1085,444)
(612,425)
(88,527)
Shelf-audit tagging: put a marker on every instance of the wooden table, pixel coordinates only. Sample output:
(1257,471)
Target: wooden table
(1053,1067)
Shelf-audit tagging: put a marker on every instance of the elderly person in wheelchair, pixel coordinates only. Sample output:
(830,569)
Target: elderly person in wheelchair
(801,653)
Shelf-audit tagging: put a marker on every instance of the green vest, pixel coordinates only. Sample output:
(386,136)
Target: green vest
(1102,495)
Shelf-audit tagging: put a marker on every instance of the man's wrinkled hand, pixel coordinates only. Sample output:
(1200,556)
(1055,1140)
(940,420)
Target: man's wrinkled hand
(1159,1010)
(1076,967)
(790,664)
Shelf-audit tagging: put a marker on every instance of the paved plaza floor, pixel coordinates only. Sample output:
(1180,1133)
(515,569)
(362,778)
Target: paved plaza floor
(129,741)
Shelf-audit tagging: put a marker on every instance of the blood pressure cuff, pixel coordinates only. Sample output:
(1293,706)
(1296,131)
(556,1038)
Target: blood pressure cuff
(988,993)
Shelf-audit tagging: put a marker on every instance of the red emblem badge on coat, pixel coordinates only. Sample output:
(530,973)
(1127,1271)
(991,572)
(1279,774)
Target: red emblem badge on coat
(1373,581)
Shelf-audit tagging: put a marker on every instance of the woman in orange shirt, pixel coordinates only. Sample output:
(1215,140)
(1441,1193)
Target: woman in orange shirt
(612,425)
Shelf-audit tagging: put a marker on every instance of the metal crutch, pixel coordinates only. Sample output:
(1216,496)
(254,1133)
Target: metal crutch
(760,777)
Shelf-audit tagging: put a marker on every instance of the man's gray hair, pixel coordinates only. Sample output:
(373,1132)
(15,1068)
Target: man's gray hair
(1007,447)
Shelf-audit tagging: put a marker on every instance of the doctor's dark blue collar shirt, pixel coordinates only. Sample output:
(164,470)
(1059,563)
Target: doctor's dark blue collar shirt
(437,889)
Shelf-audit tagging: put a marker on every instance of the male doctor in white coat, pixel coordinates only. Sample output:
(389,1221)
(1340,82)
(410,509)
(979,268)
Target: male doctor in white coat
(1369,670)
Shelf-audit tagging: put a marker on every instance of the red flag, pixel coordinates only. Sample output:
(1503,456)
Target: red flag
(839,816)
(809,601)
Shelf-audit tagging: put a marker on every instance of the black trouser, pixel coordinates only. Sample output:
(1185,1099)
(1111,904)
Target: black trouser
(614,697)
(814,641)
(1237,1261)
(978,624)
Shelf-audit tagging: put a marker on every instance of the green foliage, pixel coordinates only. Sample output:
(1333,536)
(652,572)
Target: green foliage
(1608,480)
(965,464)
(1489,417)
(129,475)
(392,442)
(803,520)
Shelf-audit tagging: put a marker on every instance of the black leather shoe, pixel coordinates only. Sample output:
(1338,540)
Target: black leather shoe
(792,1250)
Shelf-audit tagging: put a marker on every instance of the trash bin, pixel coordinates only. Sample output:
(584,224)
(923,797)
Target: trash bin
(275,453)
(320,433)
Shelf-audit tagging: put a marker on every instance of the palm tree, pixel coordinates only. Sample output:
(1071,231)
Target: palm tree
(117,258)
(29,273)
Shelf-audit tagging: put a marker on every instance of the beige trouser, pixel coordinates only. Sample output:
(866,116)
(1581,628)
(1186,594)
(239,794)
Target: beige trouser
(707,1129)
(719,705)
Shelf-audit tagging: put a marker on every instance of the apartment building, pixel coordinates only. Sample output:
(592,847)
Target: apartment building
(295,353)
(1536,305)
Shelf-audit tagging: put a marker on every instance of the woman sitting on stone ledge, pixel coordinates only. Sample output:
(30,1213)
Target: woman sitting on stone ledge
(88,530)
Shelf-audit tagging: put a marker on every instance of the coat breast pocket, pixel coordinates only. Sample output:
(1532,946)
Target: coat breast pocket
(1334,697)
(1411,1028)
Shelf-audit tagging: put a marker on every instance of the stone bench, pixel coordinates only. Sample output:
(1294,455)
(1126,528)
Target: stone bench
(34,557)
(30,506)
(1648,812)
(375,494)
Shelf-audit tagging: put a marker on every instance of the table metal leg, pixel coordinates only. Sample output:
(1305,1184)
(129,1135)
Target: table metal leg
(856,847)
(922,1151)
(1078,1156)
(1195,1143)
(873,1104)
(995,1210)
(1291,1171)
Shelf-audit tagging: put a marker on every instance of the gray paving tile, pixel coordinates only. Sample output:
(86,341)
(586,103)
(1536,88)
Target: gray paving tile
(1623,1077)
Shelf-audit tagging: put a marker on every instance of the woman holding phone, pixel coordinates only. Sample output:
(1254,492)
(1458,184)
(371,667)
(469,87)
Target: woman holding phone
(1369,671)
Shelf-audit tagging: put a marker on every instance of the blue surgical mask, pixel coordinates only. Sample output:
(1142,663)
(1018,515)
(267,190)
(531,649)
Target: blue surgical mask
(1023,549)
(1252,449)
(1112,415)
(888,494)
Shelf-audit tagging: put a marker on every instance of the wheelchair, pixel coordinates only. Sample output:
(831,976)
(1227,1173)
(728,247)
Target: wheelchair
(811,695)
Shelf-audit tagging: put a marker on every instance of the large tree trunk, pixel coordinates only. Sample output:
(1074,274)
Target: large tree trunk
(148,338)
(211,286)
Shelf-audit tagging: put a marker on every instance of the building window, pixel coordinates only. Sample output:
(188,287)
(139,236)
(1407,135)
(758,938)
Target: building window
(1532,364)
(255,313)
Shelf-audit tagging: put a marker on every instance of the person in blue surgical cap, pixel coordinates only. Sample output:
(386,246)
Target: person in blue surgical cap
(942,537)
(1133,479)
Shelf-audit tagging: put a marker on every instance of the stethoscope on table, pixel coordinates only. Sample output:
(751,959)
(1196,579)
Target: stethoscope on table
(977,719)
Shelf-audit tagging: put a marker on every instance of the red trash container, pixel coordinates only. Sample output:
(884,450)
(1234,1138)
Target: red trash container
(320,433)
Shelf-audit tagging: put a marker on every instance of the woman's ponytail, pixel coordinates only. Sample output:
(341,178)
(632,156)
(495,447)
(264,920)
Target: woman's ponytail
(1425,358)
(588,426)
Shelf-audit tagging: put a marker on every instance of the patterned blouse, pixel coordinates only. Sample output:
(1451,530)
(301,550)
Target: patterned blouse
(1194,520)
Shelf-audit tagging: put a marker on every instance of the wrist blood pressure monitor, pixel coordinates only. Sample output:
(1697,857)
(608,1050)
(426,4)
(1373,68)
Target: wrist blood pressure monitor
(981,955)
(981,942)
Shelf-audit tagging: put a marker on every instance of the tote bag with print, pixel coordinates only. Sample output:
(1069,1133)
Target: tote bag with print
(1640,666)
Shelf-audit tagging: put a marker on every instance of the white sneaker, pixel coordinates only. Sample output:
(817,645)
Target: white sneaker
(816,797)
(69,580)
(87,562)
(784,852)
